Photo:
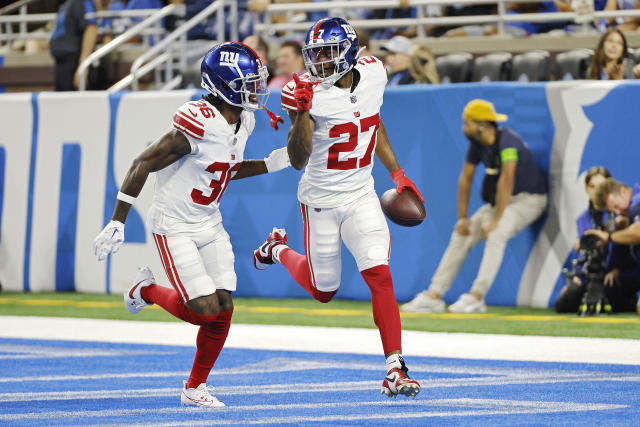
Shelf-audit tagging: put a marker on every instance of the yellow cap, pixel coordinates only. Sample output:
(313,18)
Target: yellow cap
(479,109)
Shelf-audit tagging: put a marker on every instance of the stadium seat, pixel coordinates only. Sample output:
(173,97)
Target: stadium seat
(635,54)
(455,67)
(533,66)
(572,65)
(493,67)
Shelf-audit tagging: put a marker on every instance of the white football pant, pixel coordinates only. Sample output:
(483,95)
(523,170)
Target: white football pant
(360,224)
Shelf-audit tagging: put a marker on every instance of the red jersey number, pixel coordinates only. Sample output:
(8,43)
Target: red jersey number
(351,129)
(217,185)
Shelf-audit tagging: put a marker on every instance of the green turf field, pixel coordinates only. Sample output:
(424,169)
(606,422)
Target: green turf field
(356,314)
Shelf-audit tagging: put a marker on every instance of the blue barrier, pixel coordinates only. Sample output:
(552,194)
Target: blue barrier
(568,126)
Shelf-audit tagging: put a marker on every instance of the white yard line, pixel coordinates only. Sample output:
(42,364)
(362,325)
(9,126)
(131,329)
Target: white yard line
(332,340)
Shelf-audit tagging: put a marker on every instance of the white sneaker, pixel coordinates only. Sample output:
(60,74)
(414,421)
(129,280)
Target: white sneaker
(198,396)
(423,303)
(133,298)
(467,303)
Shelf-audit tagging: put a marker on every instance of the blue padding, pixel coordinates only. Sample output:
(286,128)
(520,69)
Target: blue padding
(32,174)
(2,168)
(67,217)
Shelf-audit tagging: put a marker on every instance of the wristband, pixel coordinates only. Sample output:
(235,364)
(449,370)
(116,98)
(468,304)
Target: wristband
(126,198)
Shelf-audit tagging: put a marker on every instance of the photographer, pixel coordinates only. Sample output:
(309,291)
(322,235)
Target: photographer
(622,280)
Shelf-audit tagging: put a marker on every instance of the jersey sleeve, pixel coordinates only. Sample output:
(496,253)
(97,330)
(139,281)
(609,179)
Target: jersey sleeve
(287,100)
(189,120)
(473,154)
(374,68)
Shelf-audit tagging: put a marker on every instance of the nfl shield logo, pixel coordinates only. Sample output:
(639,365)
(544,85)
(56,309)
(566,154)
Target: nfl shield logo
(354,99)
(233,157)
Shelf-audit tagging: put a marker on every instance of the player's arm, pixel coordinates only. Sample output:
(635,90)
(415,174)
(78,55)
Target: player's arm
(299,143)
(165,151)
(388,158)
(277,160)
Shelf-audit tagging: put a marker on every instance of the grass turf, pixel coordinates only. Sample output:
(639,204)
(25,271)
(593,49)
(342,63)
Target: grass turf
(338,313)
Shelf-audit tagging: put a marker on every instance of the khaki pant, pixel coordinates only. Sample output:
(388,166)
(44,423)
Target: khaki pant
(522,210)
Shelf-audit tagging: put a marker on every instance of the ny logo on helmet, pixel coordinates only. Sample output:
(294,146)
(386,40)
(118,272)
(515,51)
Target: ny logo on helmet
(230,59)
(351,34)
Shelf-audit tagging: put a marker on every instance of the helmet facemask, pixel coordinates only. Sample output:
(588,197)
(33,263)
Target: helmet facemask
(326,62)
(251,90)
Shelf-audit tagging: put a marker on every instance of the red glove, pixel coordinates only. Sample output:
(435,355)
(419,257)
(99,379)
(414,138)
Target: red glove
(402,181)
(303,93)
(275,119)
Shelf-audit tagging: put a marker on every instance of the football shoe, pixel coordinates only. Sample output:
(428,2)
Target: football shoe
(133,298)
(263,257)
(199,396)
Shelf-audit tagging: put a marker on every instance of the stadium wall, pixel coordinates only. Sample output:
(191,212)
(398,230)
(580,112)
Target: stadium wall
(63,157)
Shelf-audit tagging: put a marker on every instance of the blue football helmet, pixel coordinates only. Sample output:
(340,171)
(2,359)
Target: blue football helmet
(234,73)
(330,50)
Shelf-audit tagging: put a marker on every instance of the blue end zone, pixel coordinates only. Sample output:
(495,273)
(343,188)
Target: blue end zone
(57,383)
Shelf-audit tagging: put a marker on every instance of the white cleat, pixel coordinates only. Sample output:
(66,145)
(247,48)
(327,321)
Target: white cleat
(133,298)
(263,257)
(423,303)
(199,396)
(466,304)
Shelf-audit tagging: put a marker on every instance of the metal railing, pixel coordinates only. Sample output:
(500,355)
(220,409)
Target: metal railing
(163,53)
(136,30)
(267,28)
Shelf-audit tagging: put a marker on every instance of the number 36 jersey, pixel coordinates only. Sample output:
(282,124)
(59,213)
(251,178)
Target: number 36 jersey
(344,137)
(189,190)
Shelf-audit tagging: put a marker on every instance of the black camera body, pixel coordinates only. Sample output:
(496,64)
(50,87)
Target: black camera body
(593,257)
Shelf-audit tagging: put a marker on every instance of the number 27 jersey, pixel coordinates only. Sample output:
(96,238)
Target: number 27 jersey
(344,137)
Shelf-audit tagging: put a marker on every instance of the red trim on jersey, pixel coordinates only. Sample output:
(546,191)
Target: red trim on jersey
(307,244)
(197,132)
(291,105)
(183,130)
(165,262)
(191,117)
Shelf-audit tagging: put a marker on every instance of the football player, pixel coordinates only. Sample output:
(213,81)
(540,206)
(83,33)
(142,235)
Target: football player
(336,128)
(194,163)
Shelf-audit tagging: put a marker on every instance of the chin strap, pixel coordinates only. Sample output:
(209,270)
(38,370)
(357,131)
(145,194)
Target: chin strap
(274,118)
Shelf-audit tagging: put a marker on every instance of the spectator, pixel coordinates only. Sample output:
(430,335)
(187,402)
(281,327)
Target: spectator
(398,60)
(514,189)
(289,61)
(402,11)
(73,39)
(611,59)
(622,278)
(624,24)
(423,65)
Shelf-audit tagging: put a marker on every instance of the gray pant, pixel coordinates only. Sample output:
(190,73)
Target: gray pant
(522,210)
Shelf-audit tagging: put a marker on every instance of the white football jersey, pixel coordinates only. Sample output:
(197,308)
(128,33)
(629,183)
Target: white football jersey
(344,138)
(190,189)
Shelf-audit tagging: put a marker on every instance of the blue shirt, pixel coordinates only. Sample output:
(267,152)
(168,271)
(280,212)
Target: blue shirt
(510,147)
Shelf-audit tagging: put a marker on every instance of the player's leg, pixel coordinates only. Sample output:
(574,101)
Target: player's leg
(216,253)
(366,235)
(522,210)
(318,272)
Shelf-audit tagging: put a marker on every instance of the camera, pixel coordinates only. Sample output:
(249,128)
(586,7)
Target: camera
(593,258)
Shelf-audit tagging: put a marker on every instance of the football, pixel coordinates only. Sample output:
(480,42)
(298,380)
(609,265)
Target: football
(404,209)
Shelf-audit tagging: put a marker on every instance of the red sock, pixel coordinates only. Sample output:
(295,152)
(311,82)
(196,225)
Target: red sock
(211,338)
(170,300)
(298,267)
(385,308)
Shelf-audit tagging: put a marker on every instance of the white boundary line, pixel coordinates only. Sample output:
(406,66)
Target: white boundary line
(332,340)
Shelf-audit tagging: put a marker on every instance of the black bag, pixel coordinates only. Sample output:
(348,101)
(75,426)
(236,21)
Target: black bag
(489,188)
